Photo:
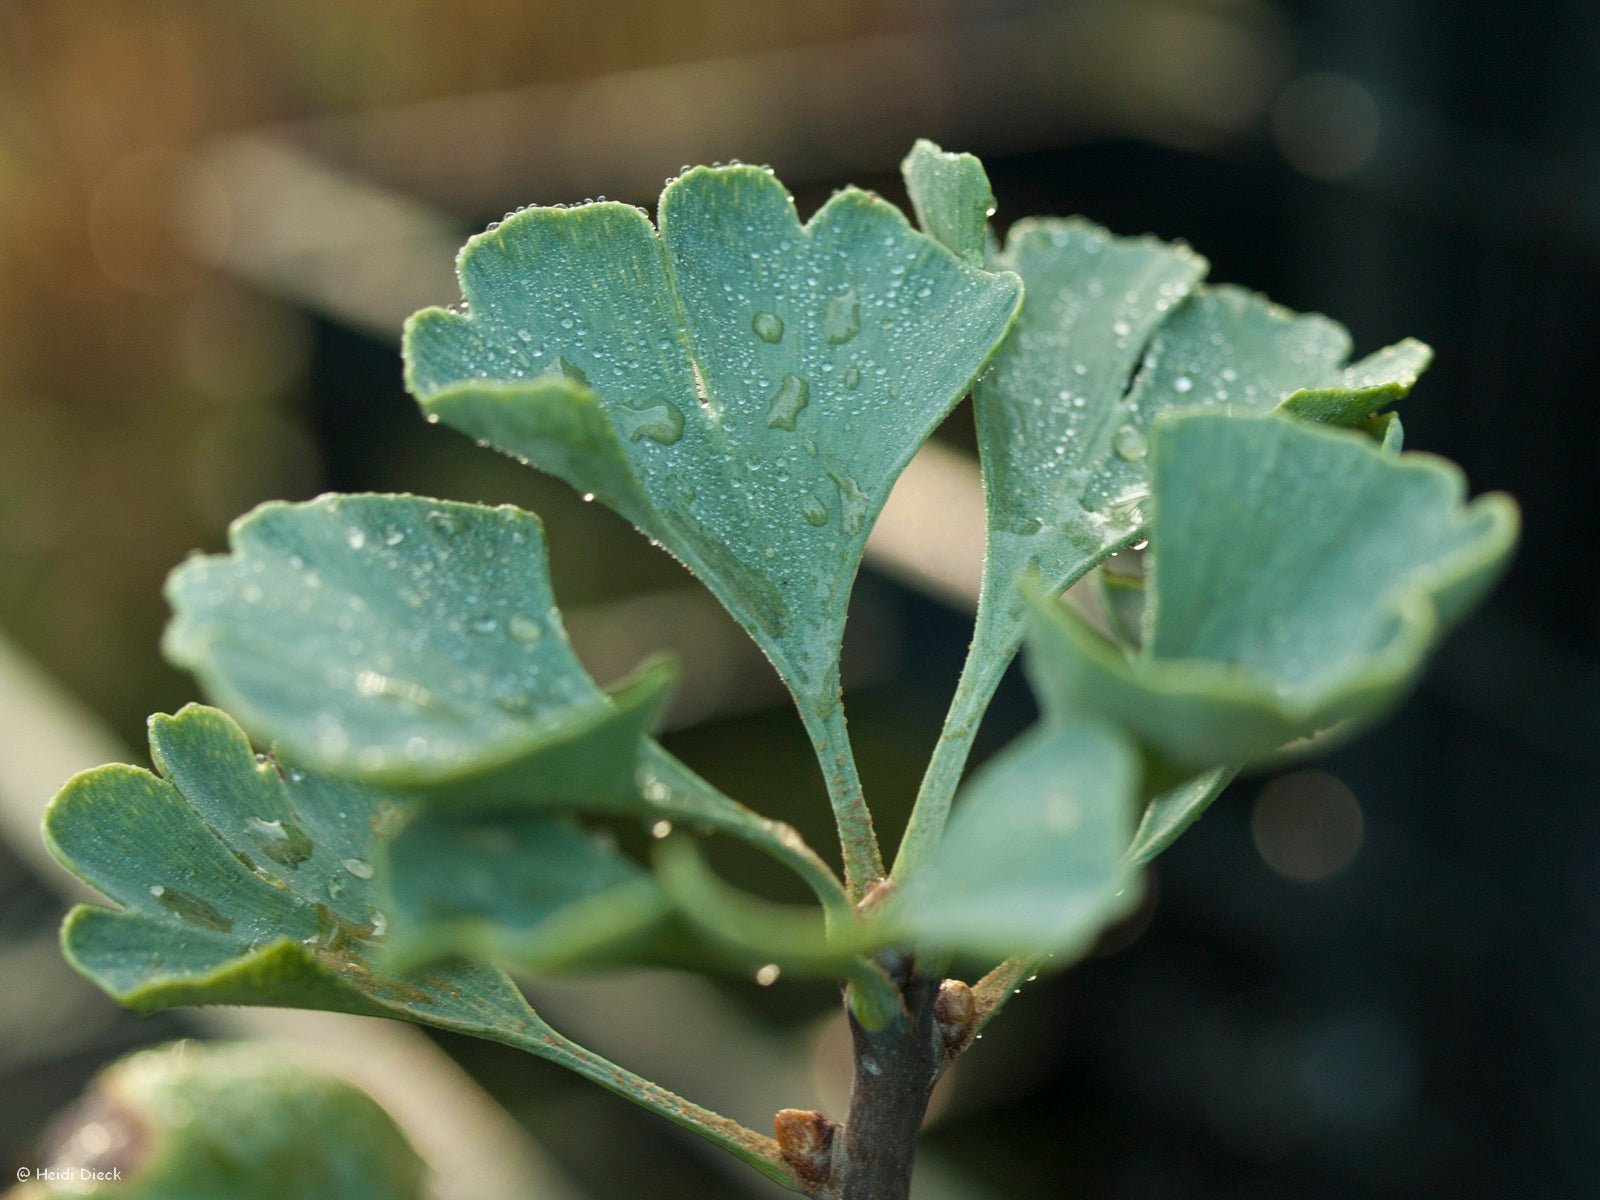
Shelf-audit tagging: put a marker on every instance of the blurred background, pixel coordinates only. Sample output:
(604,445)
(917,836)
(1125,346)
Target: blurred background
(1375,975)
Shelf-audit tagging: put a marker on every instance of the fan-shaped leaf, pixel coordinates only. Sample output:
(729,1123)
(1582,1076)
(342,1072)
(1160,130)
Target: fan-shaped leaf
(242,881)
(1114,332)
(744,388)
(414,644)
(1298,577)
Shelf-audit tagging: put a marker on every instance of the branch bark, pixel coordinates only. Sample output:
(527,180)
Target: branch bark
(895,1070)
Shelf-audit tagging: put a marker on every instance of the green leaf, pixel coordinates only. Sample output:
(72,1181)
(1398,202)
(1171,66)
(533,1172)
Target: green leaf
(1298,577)
(1033,862)
(1168,814)
(186,1121)
(951,196)
(1115,332)
(245,881)
(743,388)
(415,644)
(531,892)
(412,644)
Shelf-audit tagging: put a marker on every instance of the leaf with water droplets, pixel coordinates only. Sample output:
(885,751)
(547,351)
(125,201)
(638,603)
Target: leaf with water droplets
(1033,860)
(412,644)
(1298,578)
(807,362)
(951,196)
(1116,331)
(206,917)
(211,915)
(415,645)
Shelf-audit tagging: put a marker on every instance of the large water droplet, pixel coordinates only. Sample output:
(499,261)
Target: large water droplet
(284,843)
(841,318)
(788,402)
(190,908)
(814,510)
(1129,443)
(524,628)
(852,378)
(656,420)
(768,326)
(853,502)
(357,867)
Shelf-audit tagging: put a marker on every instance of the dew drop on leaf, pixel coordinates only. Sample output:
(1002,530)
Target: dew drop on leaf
(788,402)
(190,908)
(841,318)
(282,842)
(524,628)
(768,326)
(1129,444)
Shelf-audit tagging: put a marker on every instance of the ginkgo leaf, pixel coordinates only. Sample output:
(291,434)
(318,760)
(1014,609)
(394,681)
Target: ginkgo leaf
(242,880)
(1033,861)
(415,645)
(246,1121)
(742,387)
(1298,577)
(1115,331)
(951,196)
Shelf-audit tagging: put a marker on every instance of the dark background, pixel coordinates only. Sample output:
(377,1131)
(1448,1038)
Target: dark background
(1398,1000)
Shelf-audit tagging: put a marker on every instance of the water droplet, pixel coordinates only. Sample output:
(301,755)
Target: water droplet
(852,378)
(356,867)
(357,538)
(524,628)
(841,318)
(190,908)
(1129,444)
(814,509)
(788,402)
(853,502)
(768,975)
(1182,384)
(656,420)
(284,843)
(768,326)
(661,829)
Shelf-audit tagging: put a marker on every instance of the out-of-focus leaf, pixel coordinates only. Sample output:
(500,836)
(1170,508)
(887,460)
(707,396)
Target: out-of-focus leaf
(244,881)
(744,388)
(531,892)
(1033,861)
(1168,814)
(193,1122)
(1298,577)
(415,644)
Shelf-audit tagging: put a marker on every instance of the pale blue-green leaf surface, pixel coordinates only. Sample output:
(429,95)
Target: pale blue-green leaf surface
(1114,332)
(415,644)
(742,387)
(1033,861)
(1298,577)
(951,196)
(410,643)
(241,880)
